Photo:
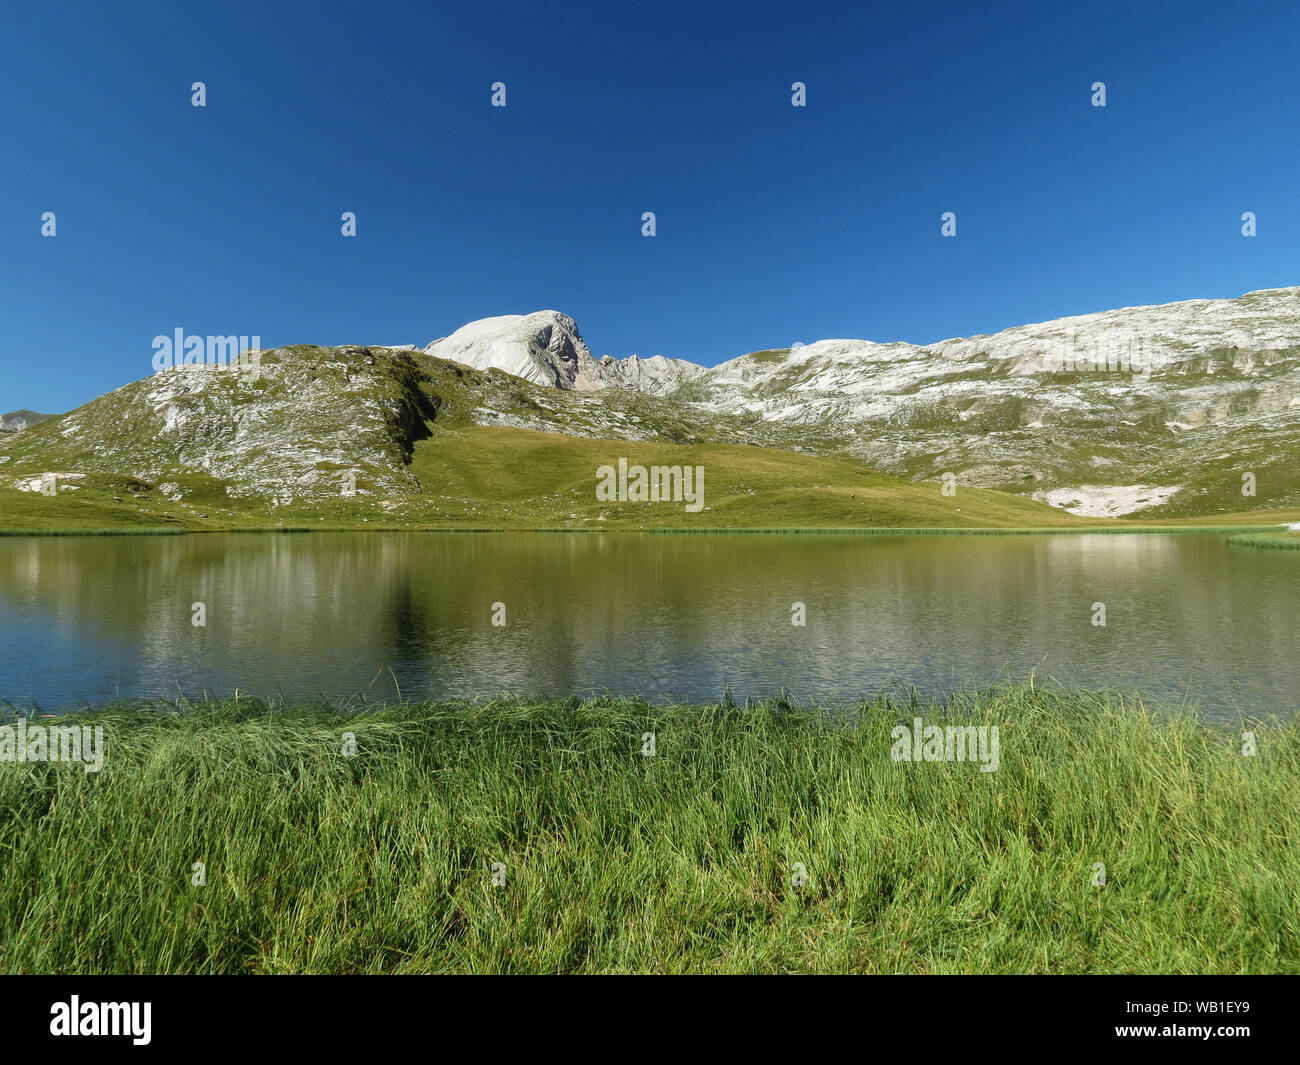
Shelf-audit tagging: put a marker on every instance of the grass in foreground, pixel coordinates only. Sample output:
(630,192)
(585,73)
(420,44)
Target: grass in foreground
(680,862)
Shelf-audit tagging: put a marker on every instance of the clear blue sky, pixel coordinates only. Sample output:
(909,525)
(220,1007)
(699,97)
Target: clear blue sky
(775,224)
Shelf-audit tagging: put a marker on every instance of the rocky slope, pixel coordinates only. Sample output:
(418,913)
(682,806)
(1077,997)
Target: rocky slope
(284,432)
(1143,408)
(291,430)
(543,347)
(1155,409)
(546,348)
(18,420)
(1143,411)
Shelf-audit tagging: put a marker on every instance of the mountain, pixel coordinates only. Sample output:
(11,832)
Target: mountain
(1166,406)
(1151,412)
(281,434)
(17,420)
(655,376)
(290,431)
(546,348)
(1143,409)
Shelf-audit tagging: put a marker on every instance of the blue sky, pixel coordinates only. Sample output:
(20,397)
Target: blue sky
(775,224)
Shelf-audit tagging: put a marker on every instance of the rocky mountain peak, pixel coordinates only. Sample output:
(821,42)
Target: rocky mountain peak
(546,348)
(543,347)
(17,420)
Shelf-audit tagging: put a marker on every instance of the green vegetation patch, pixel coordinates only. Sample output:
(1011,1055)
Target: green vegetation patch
(759,839)
(1283,540)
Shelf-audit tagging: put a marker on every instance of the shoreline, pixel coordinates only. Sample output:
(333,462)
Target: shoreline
(670,530)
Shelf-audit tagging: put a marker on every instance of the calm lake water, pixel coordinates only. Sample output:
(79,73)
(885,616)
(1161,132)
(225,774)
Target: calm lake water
(86,619)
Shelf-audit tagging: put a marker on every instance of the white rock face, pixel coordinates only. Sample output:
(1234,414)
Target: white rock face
(1107,501)
(543,347)
(546,348)
(1154,351)
(656,376)
(18,420)
(37,484)
(1133,348)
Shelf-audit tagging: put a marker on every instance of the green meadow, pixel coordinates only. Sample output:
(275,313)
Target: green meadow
(768,838)
(489,477)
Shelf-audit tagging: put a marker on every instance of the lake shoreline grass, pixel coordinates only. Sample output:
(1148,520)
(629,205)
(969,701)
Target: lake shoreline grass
(1272,540)
(1267,530)
(685,860)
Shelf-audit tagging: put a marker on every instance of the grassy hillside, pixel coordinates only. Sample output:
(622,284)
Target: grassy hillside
(684,861)
(493,477)
(496,477)
(432,443)
(516,478)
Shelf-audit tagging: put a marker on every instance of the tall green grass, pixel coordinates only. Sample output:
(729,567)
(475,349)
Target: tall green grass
(1287,540)
(679,862)
(1265,540)
(125,531)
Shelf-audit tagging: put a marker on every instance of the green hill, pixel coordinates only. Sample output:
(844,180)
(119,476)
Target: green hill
(360,437)
(497,477)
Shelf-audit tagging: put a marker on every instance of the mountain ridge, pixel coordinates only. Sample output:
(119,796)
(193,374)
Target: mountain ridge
(481,331)
(1159,410)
